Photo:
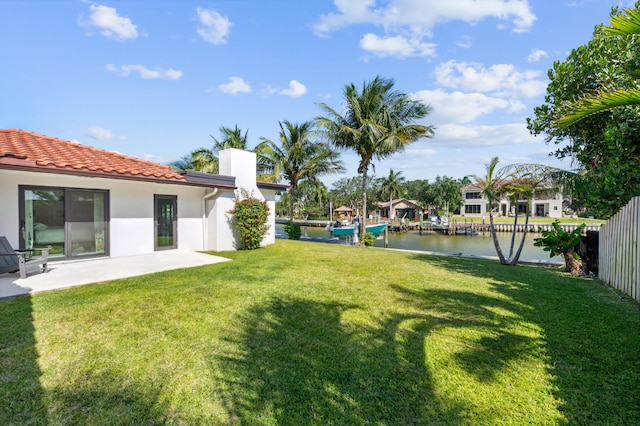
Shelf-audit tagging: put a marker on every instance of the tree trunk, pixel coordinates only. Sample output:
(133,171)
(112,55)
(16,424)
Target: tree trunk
(364,206)
(514,261)
(492,229)
(572,265)
(293,190)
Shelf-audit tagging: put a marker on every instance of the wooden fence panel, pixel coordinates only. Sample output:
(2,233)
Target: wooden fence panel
(619,251)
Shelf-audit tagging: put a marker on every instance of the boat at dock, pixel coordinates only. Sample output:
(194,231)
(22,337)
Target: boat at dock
(349,230)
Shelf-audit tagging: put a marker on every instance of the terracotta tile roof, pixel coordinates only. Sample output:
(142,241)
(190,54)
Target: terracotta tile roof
(28,149)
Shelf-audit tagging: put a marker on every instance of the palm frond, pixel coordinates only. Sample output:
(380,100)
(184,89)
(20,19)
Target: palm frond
(603,102)
(625,23)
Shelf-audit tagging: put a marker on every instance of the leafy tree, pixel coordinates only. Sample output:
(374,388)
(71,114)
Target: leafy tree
(445,192)
(579,109)
(558,241)
(378,122)
(297,157)
(348,192)
(417,190)
(391,186)
(313,197)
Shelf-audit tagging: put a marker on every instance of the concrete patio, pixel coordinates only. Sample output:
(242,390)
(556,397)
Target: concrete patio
(64,274)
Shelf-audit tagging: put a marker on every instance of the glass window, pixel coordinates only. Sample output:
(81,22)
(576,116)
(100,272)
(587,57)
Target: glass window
(70,222)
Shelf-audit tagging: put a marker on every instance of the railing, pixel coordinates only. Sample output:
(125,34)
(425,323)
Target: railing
(619,255)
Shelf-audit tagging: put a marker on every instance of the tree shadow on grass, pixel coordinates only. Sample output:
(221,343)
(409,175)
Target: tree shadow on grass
(300,362)
(591,335)
(21,396)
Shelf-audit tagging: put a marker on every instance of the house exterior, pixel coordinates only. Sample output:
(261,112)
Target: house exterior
(477,205)
(400,208)
(85,202)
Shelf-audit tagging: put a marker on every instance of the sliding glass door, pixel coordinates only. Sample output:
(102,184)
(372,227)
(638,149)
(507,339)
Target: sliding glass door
(86,222)
(71,222)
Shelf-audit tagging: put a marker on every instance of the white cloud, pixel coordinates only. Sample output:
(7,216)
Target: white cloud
(454,135)
(214,28)
(420,16)
(536,55)
(500,79)
(422,152)
(464,42)
(111,25)
(396,46)
(235,86)
(145,73)
(101,133)
(458,107)
(295,89)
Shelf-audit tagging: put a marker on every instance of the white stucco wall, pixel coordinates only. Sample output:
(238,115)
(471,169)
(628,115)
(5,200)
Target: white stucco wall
(131,205)
(203,222)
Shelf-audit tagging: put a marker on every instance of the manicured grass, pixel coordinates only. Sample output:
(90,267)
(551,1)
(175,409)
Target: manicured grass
(306,333)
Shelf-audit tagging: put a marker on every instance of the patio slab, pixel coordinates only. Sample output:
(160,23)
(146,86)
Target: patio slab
(65,274)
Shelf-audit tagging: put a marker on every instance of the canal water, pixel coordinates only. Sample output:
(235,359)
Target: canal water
(479,245)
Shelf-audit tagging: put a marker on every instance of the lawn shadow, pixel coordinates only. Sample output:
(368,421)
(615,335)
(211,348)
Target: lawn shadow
(21,396)
(497,348)
(591,335)
(300,362)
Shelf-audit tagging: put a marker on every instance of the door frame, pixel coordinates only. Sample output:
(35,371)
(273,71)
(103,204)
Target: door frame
(67,252)
(156,223)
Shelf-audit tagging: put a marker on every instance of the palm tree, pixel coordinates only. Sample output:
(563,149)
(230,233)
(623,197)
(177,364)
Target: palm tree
(232,138)
(492,185)
(626,23)
(201,160)
(517,182)
(206,160)
(378,122)
(392,185)
(297,157)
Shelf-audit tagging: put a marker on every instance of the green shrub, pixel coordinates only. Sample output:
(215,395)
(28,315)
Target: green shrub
(293,230)
(368,239)
(250,216)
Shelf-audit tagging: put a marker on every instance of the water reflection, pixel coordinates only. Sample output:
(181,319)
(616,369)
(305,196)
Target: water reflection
(480,245)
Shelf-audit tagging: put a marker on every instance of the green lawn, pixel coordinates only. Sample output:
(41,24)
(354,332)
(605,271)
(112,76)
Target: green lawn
(307,333)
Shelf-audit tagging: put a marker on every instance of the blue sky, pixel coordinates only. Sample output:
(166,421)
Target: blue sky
(154,79)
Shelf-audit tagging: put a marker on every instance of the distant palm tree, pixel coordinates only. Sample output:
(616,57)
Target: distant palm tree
(517,182)
(296,157)
(201,160)
(378,122)
(392,185)
(206,160)
(626,23)
(232,138)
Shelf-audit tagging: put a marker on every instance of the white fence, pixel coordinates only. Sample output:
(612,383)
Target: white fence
(619,257)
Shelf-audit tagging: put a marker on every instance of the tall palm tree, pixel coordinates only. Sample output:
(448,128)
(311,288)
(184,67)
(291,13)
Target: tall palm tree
(626,23)
(297,157)
(378,122)
(517,182)
(492,185)
(392,185)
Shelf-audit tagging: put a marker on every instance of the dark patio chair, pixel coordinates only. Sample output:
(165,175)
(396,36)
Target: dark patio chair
(21,260)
